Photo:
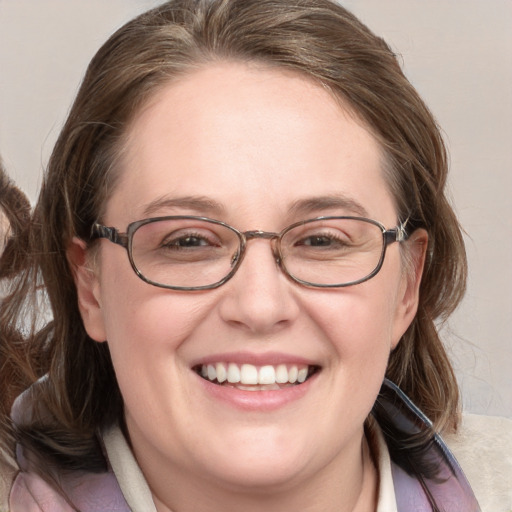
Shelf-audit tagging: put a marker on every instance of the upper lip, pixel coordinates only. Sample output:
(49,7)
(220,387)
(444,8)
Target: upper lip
(256,359)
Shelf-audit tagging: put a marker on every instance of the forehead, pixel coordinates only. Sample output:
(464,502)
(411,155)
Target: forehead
(246,136)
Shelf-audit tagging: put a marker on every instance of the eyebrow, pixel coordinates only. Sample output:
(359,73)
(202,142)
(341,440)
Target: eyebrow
(312,205)
(202,204)
(208,206)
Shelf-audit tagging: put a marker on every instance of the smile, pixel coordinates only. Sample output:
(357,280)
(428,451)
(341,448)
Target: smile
(249,377)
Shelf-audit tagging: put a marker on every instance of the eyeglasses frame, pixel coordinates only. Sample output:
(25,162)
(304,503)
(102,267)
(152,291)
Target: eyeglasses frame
(396,234)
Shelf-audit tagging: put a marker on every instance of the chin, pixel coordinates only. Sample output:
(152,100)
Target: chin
(259,466)
(264,476)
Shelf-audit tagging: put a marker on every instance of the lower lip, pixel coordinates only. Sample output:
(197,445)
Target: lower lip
(257,400)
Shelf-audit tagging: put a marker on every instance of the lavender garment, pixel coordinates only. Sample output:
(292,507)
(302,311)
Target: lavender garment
(86,492)
(426,476)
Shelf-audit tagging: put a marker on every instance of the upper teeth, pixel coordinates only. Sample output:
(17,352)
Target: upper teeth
(250,374)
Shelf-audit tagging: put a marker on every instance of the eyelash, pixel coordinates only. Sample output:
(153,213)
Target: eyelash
(174,242)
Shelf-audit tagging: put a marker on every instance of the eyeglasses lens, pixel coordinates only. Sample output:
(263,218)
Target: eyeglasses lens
(192,253)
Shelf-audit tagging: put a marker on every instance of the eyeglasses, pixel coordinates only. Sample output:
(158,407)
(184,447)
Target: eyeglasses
(197,253)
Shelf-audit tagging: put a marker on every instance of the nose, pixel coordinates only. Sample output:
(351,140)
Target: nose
(259,298)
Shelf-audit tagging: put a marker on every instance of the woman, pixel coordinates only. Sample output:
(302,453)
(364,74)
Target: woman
(243,231)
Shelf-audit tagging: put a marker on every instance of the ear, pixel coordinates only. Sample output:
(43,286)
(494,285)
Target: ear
(408,299)
(88,289)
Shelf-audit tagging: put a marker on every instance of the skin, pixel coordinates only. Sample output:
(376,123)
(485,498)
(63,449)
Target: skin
(4,230)
(255,141)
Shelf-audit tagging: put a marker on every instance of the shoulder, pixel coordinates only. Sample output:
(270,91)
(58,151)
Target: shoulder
(31,493)
(42,485)
(88,492)
(7,476)
(483,448)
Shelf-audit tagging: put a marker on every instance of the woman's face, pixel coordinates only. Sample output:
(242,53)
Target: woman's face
(258,149)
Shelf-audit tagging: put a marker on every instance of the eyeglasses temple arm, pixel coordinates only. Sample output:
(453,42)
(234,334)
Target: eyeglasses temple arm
(398,234)
(110,233)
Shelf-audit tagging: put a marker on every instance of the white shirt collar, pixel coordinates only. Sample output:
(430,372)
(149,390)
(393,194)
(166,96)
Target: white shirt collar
(387,499)
(133,485)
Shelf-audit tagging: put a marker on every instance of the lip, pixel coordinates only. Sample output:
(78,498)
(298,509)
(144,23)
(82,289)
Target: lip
(272,358)
(261,401)
(264,401)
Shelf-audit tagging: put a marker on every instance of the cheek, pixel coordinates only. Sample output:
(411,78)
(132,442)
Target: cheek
(356,327)
(358,321)
(146,328)
(141,320)
(151,320)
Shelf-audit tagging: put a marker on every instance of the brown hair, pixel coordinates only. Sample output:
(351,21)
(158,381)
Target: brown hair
(316,38)
(15,210)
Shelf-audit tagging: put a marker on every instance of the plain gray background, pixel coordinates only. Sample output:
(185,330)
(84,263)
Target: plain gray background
(458,53)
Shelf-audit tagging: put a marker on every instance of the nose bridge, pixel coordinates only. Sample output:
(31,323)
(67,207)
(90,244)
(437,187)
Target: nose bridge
(265,235)
(258,298)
